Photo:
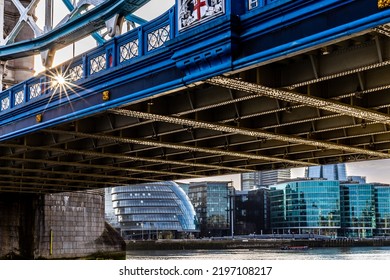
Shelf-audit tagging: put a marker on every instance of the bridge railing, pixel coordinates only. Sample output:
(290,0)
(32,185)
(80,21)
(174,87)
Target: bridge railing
(121,50)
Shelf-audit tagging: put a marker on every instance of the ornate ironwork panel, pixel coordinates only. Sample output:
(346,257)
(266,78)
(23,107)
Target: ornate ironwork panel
(35,90)
(75,73)
(5,103)
(158,37)
(128,50)
(97,64)
(253,4)
(18,97)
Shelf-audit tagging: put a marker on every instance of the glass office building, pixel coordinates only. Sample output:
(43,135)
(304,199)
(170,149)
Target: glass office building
(309,206)
(329,172)
(253,180)
(211,201)
(240,213)
(348,209)
(382,209)
(358,210)
(155,210)
(251,212)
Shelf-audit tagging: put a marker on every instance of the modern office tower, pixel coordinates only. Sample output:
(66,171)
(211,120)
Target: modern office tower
(307,206)
(249,180)
(251,212)
(154,210)
(211,201)
(240,217)
(258,210)
(382,209)
(329,172)
(264,178)
(357,210)
(271,177)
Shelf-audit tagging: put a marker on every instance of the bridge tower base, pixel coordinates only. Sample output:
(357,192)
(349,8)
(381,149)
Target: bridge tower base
(64,225)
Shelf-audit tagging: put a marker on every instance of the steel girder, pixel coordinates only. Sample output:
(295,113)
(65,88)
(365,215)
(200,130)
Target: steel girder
(316,106)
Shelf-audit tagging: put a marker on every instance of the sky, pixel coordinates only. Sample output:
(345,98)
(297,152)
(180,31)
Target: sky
(374,170)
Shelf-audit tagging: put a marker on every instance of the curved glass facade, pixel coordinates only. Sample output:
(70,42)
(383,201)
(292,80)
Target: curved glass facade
(148,209)
(306,207)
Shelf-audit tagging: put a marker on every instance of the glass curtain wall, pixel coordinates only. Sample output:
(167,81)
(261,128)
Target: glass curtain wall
(358,210)
(306,207)
(211,201)
(155,210)
(329,172)
(382,207)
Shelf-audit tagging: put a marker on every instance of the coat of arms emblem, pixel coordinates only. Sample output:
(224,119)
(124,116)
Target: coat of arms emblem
(193,12)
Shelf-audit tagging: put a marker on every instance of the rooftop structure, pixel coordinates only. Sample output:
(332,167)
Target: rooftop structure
(264,178)
(329,172)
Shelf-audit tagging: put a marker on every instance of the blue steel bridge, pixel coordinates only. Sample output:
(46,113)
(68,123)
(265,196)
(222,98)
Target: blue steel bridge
(207,88)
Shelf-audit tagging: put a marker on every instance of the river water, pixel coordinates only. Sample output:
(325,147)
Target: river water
(345,253)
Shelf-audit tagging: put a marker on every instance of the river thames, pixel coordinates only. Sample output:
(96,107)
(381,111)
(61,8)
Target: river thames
(345,253)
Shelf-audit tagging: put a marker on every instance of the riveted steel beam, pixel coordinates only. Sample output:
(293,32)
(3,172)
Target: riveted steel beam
(311,101)
(127,157)
(178,146)
(249,132)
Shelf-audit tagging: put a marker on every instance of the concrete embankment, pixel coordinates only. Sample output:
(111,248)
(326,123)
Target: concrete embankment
(249,243)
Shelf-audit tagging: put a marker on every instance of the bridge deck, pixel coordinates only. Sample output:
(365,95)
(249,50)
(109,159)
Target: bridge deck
(304,82)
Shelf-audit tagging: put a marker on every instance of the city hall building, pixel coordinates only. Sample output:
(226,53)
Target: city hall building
(154,210)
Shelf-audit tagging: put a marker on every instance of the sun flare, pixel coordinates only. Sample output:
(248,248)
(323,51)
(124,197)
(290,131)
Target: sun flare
(61,86)
(60,79)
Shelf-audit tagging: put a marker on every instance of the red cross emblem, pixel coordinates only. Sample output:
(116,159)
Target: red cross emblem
(199,4)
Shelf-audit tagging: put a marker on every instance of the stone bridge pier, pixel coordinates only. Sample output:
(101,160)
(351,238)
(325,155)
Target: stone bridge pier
(62,225)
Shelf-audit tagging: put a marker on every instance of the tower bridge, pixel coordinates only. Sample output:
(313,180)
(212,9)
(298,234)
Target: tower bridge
(214,88)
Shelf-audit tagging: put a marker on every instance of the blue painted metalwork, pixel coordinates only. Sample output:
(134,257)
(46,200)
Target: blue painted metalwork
(76,29)
(157,57)
(254,4)
(68,5)
(136,19)
(99,39)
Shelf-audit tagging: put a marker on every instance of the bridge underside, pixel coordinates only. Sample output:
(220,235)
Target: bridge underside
(323,105)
